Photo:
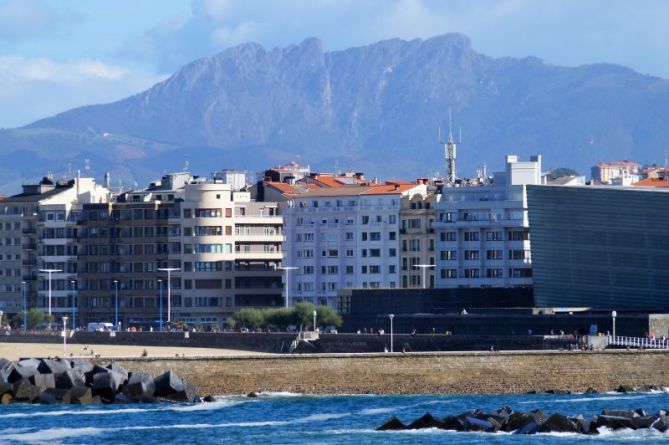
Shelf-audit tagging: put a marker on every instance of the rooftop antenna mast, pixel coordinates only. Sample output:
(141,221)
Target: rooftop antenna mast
(450,152)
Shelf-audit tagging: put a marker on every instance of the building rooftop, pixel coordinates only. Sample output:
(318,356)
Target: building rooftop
(651,182)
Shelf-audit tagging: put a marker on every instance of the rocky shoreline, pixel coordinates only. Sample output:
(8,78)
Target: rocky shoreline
(78,381)
(534,422)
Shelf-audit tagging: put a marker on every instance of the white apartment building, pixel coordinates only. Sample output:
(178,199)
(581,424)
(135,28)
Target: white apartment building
(42,224)
(482,235)
(343,237)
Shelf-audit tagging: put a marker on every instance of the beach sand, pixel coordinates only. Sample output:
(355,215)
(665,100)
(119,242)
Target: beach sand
(14,351)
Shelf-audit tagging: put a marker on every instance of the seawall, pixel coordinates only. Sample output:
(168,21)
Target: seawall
(442,372)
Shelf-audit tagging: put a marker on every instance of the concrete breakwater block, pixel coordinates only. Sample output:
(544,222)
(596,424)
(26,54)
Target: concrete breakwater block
(534,422)
(80,382)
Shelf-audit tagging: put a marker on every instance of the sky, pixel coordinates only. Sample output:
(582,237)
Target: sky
(56,55)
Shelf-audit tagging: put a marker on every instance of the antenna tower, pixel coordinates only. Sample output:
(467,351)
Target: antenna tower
(450,152)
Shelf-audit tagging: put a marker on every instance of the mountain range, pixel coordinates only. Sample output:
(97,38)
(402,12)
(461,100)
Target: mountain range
(375,108)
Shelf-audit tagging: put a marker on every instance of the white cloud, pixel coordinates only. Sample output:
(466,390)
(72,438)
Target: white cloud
(20,19)
(34,88)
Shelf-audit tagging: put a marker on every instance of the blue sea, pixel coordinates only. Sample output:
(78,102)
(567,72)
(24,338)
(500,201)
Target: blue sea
(298,419)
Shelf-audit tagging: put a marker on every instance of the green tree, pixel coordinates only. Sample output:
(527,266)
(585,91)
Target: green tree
(563,171)
(249,317)
(328,317)
(35,317)
(303,314)
(231,322)
(278,318)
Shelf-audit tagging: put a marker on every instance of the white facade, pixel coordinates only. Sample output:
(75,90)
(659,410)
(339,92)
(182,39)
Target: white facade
(345,237)
(482,235)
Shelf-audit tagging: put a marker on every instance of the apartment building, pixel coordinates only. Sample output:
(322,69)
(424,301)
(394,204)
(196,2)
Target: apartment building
(482,232)
(417,239)
(617,172)
(231,249)
(38,232)
(343,236)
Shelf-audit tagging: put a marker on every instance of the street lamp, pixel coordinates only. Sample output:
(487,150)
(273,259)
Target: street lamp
(286,269)
(65,335)
(391,316)
(424,267)
(116,305)
(50,271)
(160,286)
(169,271)
(74,303)
(614,314)
(25,307)
(315,313)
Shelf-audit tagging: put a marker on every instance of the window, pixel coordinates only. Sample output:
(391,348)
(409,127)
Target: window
(363,236)
(349,236)
(349,252)
(333,270)
(392,236)
(188,213)
(208,213)
(374,269)
(493,236)
(363,269)
(308,270)
(333,253)
(471,236)
(520,273)
(414,245)
(471,255)
(392,252)
(375,252)
(392,219)
(494,255)
(448,236)
(449,255)
(519,254)
(471,273)
(494,273)
(519,235)
(365,219)
(392,269)
(349,270)
(375,236)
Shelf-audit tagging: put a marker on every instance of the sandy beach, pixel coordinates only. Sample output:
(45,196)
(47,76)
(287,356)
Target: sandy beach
(13,351)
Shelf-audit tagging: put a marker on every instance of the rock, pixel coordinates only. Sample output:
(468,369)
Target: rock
(661,424)
(81,395)
(586,426)
(90,375)
(24,391)
(119,369)
(6,388)
(107,384)
(121,398)
(20,371)
(425,421)
(71,377)
(6,398)
(516,420)
(557,391)
(82,364)
(46,398)
(252,394)
(624,388)
(208,399)
(62,395)
(628,413)
(187,394)
(96,400)
(452,423)
(475,424)
(614,422)
(139,386)
(557,423)
(640,412)
(43,381)
(168,383)
(4,363)
(47,366)
(643,422)
(392,424)
(591,390)
(531,427)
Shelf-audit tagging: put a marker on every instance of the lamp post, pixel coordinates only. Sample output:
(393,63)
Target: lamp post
(73,283)
(286,269)
(315,313)
(424,267)
(160,294)
(49,272)
(169,271)
(391,316)
(25,307)
(64,334)
(116,305)
(614,314)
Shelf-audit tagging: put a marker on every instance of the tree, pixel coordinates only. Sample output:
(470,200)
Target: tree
(231,322)
(277,318)
(563,171)
(249,317)
(303,314)
(328,317)
(35,317)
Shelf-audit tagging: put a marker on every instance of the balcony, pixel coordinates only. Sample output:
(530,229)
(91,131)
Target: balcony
(29,246)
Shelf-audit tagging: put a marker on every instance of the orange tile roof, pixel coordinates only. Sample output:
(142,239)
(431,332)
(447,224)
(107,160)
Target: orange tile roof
(284,188)
(651,182)
(389,189)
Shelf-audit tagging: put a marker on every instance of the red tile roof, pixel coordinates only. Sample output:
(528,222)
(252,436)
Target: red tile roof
(651,182)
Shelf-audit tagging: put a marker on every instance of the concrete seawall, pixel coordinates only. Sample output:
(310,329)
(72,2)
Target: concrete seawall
(444,372)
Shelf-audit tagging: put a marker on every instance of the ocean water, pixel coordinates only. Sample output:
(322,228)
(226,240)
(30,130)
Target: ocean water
(298,419)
